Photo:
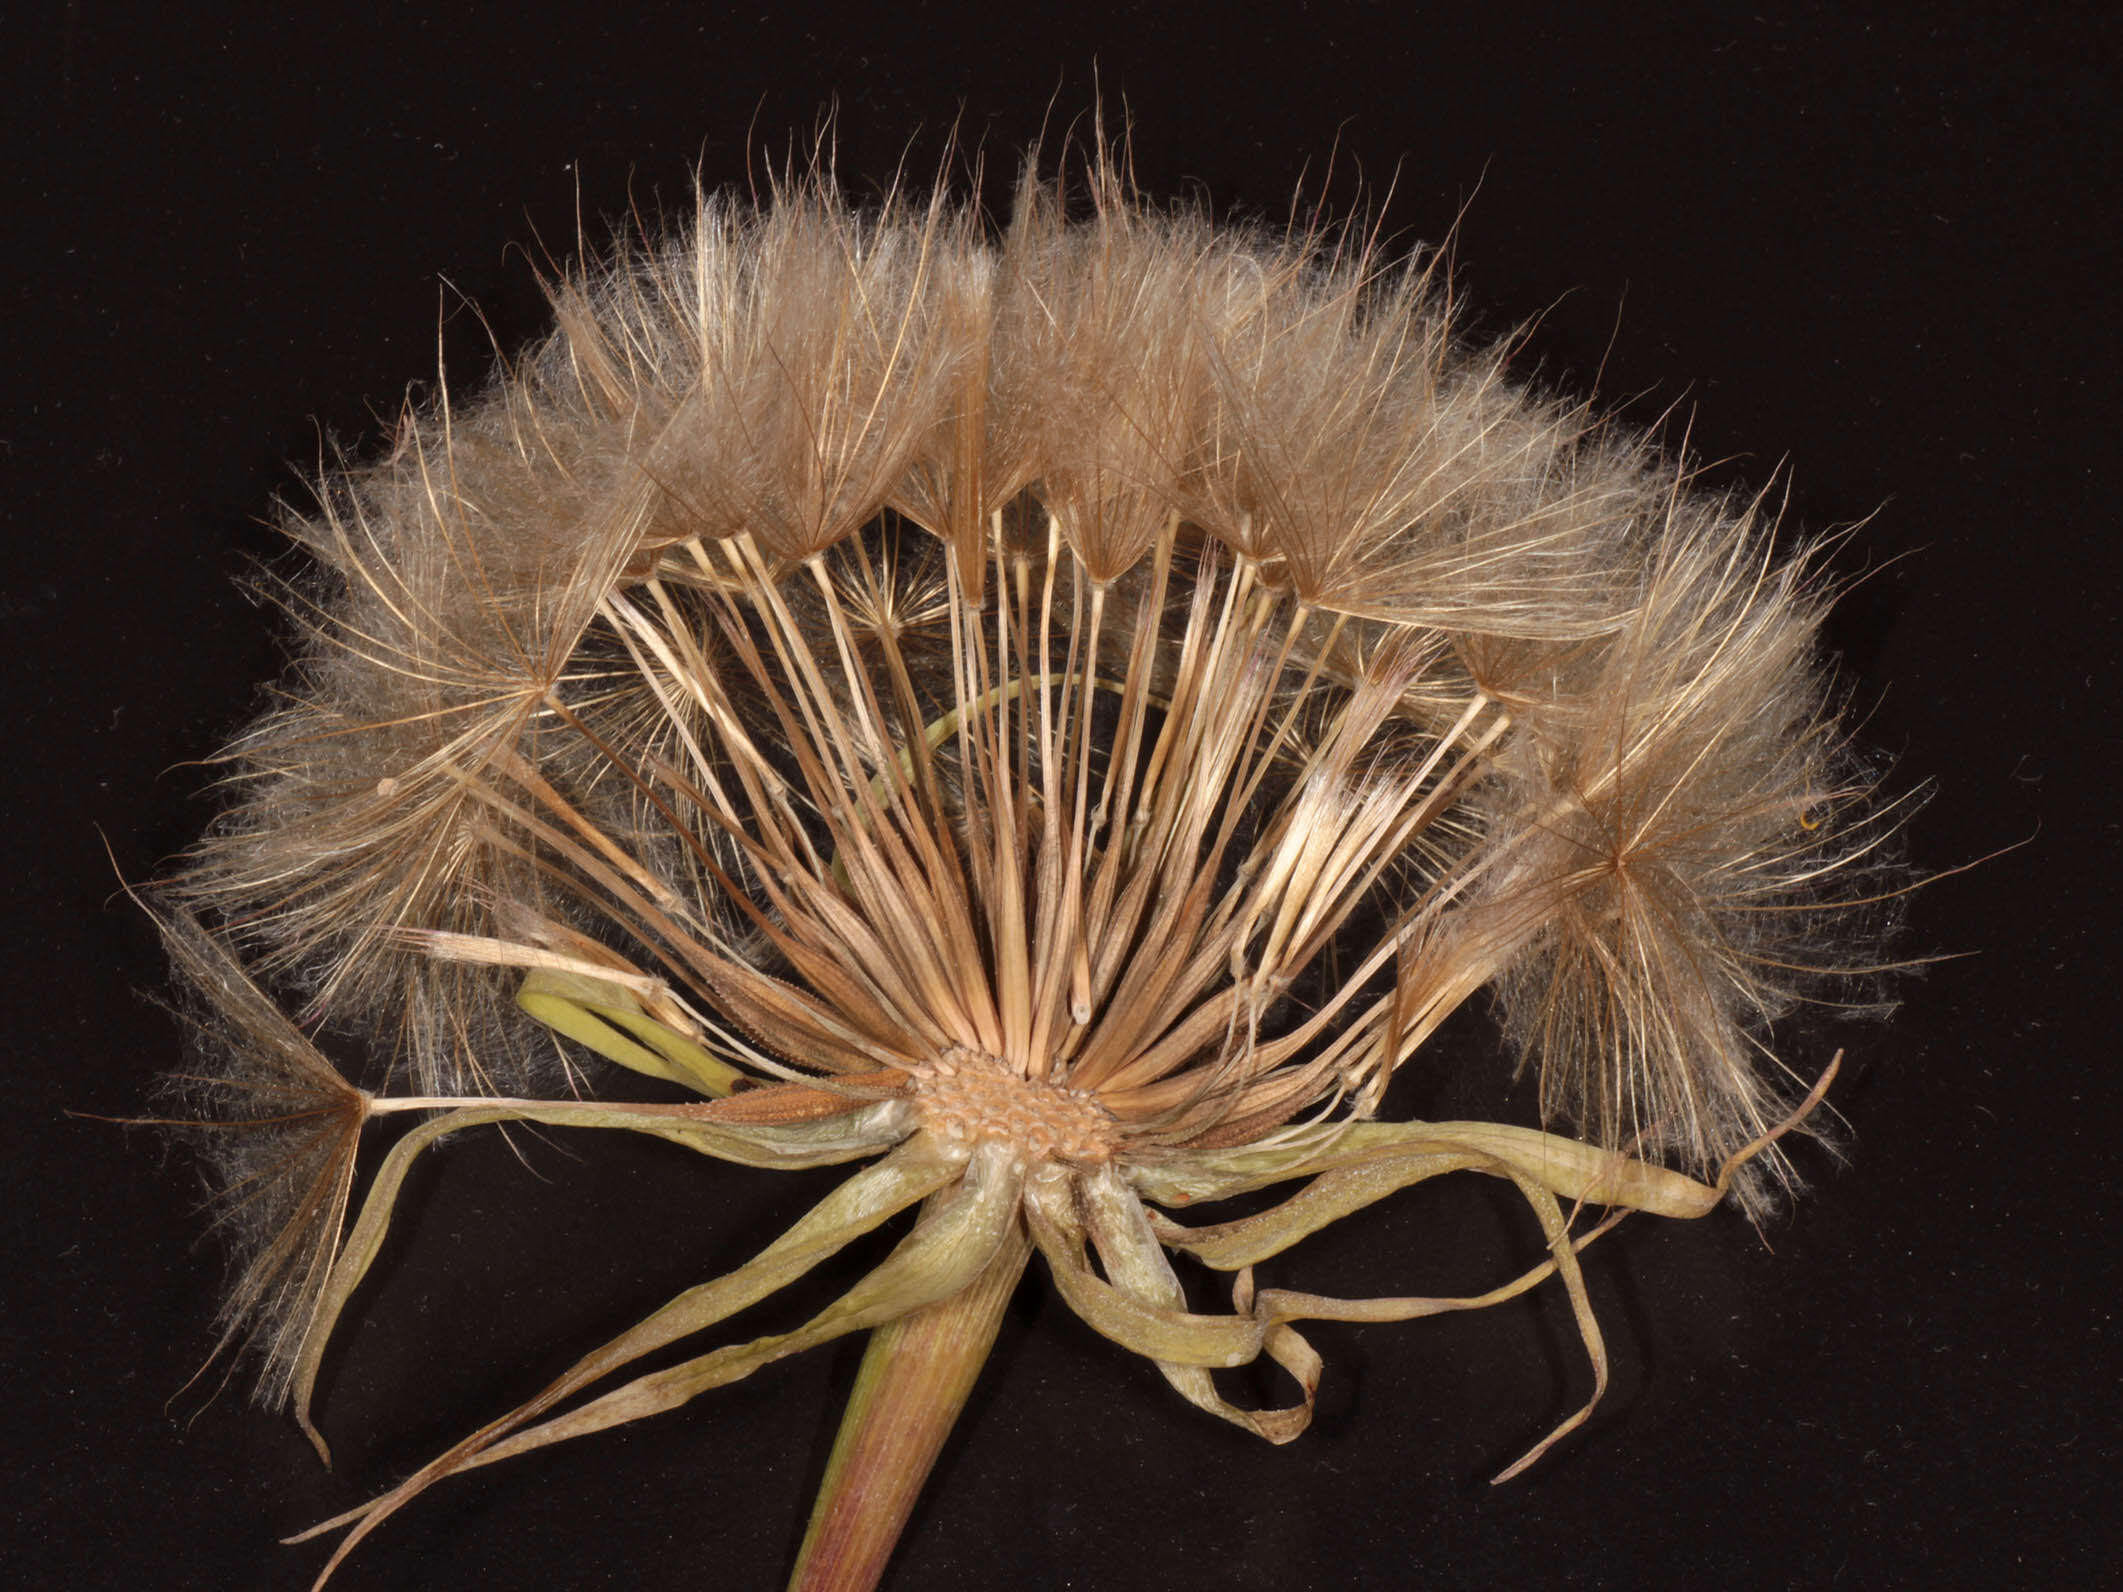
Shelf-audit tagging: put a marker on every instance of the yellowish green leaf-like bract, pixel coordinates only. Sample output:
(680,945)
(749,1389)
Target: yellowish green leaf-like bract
(1057,717)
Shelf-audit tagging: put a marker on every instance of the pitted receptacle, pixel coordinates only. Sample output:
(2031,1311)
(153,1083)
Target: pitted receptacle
(967,1096)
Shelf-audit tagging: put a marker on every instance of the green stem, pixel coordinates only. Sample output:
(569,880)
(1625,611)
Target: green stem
(915,1377)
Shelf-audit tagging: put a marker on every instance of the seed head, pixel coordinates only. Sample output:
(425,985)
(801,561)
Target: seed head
(1069,711)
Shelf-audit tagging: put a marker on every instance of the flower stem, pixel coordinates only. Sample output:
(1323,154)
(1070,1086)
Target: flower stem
(914,1380)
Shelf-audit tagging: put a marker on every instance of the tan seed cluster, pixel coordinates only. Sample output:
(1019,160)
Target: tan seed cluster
(969,1097)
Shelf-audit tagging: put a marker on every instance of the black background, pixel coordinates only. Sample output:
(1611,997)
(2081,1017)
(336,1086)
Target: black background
(1881,250)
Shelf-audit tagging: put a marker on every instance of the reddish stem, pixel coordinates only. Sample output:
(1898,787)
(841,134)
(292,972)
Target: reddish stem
(914,1380)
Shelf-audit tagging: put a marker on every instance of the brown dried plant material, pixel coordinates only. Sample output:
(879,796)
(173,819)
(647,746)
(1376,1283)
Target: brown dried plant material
(1058,718)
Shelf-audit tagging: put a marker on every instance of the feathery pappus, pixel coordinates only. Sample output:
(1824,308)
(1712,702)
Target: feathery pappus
(1054,717)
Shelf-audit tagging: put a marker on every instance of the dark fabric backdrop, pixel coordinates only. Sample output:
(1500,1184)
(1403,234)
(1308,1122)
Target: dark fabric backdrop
(1872,249)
